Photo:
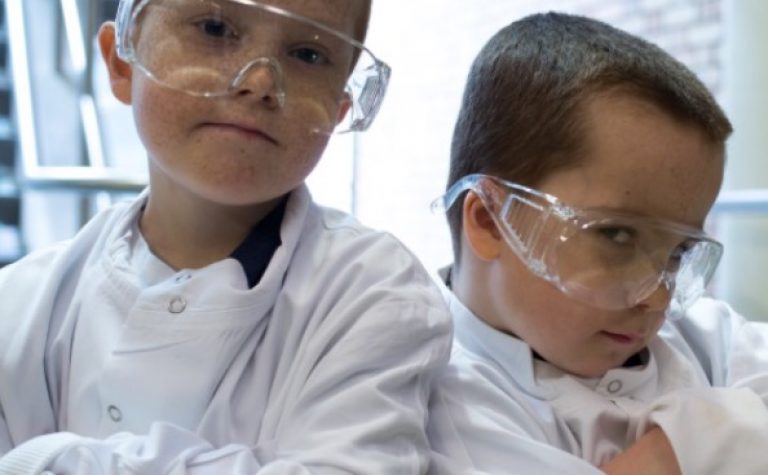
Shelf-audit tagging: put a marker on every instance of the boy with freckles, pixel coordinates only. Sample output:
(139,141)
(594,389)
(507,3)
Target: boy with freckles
(223,323)
(584,163)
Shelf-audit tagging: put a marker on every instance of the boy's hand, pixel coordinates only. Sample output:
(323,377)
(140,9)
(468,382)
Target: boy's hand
(652,454)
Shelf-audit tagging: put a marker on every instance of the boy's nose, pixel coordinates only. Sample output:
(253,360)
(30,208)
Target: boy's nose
(262,77)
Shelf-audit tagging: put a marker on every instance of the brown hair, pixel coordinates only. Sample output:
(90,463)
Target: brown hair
(361,27)
(519,117)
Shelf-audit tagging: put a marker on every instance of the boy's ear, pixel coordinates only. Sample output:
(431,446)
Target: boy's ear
(480,231)
(120,72)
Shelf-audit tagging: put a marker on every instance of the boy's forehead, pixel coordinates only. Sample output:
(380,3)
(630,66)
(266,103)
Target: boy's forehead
(638,158)
(341,15)
(345,16)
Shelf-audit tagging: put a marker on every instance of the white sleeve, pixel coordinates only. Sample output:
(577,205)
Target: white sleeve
(477,429)
(713,431)
(722,429)
(732,350)
(166,449)
(747,364)
(362,409)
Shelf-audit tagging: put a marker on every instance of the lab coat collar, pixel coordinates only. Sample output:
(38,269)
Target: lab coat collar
(516,360)
(118,265)
(510,355)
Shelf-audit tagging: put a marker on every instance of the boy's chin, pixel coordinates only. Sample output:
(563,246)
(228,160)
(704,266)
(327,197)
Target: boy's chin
(233,199)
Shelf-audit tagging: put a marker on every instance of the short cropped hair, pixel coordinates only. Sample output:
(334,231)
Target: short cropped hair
(520,114)
(361,27)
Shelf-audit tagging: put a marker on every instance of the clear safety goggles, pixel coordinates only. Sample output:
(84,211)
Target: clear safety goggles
(210,48)
(606,259)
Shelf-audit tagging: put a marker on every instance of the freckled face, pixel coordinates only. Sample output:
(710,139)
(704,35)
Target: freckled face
(639,160)
(242,148)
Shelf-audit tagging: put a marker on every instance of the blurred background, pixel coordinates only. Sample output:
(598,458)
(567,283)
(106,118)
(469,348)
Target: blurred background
(68,149)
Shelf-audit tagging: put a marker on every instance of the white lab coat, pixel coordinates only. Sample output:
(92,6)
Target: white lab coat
(498,410)
(323,367)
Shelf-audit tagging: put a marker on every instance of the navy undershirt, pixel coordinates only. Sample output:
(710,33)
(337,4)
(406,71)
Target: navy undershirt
(255,252)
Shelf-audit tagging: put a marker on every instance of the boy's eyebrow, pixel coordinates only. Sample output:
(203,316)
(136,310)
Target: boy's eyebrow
(633,211)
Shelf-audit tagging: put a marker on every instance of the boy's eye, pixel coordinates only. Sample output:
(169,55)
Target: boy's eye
(216,28)
(676,257)
(617,234)
(309,55)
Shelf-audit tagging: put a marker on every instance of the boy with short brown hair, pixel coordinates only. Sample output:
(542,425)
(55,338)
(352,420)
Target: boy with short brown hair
(222,322)
(583,166)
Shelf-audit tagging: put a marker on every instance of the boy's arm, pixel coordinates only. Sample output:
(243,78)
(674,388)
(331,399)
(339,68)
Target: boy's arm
(361,409)
(166,449)
(717,431)
(477,429)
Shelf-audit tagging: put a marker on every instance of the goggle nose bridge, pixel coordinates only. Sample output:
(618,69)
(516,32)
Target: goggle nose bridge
(263,62)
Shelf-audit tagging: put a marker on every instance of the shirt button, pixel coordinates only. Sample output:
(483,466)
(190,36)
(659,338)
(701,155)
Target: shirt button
(177,305)
(614,386)
(114,413)
(183,277)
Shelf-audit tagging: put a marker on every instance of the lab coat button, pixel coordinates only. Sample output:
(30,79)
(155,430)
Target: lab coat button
(177,305)
(114,413)
(614,386)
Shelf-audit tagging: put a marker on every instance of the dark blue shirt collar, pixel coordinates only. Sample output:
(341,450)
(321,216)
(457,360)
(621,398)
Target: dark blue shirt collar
(255,252)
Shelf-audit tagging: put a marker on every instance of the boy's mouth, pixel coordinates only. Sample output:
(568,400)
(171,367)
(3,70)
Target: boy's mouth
(249,131)
(624,338)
